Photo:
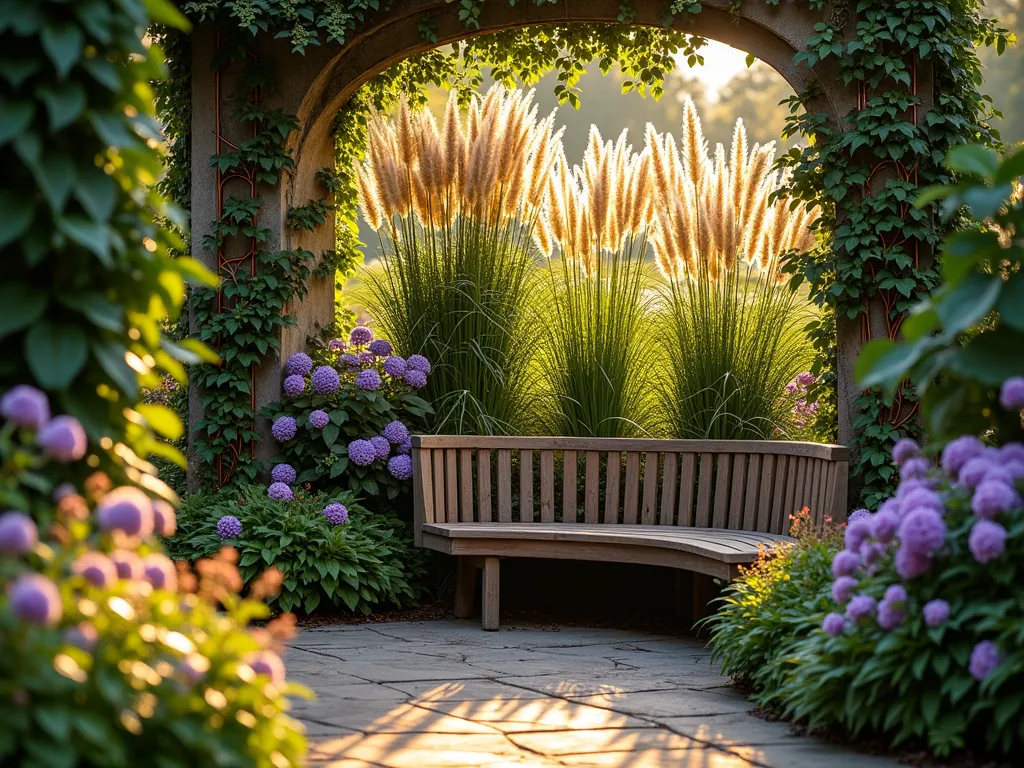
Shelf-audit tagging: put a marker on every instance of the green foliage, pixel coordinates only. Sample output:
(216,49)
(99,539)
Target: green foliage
(731,345)
(965,339)
(366,564)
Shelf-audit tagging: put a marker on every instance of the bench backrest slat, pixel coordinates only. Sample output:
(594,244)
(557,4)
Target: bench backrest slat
(737,485)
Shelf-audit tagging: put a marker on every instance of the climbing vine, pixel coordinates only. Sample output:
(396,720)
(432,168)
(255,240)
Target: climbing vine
(870,266)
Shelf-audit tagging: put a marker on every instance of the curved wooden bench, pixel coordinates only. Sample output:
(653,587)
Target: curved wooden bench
(696,505)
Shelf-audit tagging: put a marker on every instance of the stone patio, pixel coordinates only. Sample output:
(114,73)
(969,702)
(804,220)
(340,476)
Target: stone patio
(445,693)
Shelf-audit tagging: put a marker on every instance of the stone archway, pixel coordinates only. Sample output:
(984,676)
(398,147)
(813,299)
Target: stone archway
(316,85)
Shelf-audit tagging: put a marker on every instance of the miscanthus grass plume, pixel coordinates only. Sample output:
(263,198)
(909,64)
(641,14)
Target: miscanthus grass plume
(455,207)
(731,330)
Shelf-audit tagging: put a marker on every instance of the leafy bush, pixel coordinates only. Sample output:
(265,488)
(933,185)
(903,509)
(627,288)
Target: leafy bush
(350,419)
(365,563)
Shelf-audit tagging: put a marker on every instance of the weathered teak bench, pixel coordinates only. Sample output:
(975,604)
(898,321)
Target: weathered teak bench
(701,506)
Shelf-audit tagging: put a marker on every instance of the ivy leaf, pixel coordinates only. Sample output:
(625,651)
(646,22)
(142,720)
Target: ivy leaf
(64,102)
(56,353)
(21,305)
(1011,303)
(18,212)
(161,420)
(97,192)
(15,117)
(63,44)
(973,159)
(110,356)
(331,432)
(88,234)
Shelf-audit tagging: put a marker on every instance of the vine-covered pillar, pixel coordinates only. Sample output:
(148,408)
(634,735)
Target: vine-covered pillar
(263,230)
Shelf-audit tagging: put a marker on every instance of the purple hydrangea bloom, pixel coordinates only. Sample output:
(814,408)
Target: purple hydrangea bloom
(294,385)
(984,659)
(415,378)
(83,635)
(418,363)
(283,473)
(268,663)
(159,571)
(18,533)
(843,588)
(325,380)
(890,615)
(957,452)
(230,527)
(64,490)
(98,569)
(336,514)
(129,564)
(834,624)
(299,364)
(367,358)
(126,509)
(915,469)
(352,361)
(845,563)
(896,594)
(987,540)
(26,407)
(922,498)
(858,514)
(1012,469)
(992,498)
(336,345)
(910,564)
(871,552)
(1011,396)
(974,470)
(164,518)
(904,450)
(861,607)
(1012,452)
(368,380)
(396,432)
(884,525)
(381,348)
(319,419)
(284,429)
(381,446)
(806,378)
(405,448)
(922,531)
(856,532)
(36,599)
(395,367)
(280,492)
(63,439)
(360,335)
(893,505)
(909,486)
(400,467)
(936,612)
(362,453)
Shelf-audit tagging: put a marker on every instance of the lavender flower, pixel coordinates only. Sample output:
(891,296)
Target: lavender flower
(910,564)
(400,467)
(360,335)
(25,407)
(805,379)
(319,419)
(63,439)
(368,380)
(284,429)
(916,468)
(381,446)
(992,498)
(396,432)
(415,378)
(164,519)
(362,453)
(230,527)
(922,531)
(418,363)
(395,367)
(957,452)
(299,364)
(861,607)
(845,563)
(336,345)
(294,385)
(987,540)
(381,348)
(325,380)
(856,532)
(128,510)
(98,569)
(896,594)
(352,361)
(904,450)
(36,599)
(984,659)
(791,388)
(268,663)
(842,588)
(936,612)
(129,564)
(884,525)
(18,533)
(834,624)
(858,514)
(159,571)
(405,448)
(1011,396)
(336,514)
(283,473)
(280,492)
(890,615)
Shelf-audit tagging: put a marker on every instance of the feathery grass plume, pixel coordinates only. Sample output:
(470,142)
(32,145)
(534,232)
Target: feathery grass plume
(457,270)
(694,158)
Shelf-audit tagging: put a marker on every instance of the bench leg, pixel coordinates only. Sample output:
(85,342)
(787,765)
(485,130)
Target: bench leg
(492,592)
(704,591)
(465,588)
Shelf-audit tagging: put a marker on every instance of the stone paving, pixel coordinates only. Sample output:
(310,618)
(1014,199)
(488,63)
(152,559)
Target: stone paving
(445,693)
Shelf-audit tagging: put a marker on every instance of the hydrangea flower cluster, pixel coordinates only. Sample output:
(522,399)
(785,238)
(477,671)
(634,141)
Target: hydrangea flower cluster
(911,533)
(802,410)
(336,513)
(229,527)
(61,438)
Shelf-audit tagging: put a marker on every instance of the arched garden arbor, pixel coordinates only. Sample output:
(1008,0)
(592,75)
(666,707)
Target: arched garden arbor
(851,78)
